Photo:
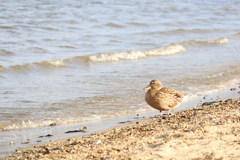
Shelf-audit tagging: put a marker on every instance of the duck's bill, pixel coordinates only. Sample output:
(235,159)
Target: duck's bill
(148,87)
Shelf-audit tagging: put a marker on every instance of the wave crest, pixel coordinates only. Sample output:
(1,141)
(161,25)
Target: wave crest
(135,55)
(57,63)
(219,41)
(35,65)
(211,42)
(1,68)
(27,124)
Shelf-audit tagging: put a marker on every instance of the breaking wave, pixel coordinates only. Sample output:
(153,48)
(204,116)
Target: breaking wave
(27,125)
(35,65)
(210,42)
(56,63)
(135,55)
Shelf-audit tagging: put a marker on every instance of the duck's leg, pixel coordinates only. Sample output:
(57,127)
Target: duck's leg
(160,113)
(168,112)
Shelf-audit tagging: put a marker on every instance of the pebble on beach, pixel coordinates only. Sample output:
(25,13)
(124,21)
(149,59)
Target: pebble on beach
(53,124)
(83,128)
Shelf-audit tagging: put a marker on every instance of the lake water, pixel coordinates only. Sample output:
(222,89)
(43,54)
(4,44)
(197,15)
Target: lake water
(73,61)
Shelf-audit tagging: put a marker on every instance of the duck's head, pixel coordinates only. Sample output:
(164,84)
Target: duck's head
(154,84)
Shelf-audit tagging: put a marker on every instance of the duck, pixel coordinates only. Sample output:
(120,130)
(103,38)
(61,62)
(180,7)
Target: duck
(162,98)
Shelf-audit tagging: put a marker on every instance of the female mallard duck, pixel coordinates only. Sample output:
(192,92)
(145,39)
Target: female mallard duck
(162,98)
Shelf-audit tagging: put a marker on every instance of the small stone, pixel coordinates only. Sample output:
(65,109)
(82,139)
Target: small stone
(12,143)
(53,124)
(137,122)
(229,121)
(233,89)
(49,135)
(25,142)
(99,141)
(18,151)
(83,128)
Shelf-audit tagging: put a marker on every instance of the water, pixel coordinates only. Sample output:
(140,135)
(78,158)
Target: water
(73,61)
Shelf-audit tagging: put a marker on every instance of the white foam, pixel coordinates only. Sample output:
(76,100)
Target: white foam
(43,123)
(219,41)
(135,55)
(195,91)
(90,118)
(28,124)
(57,63)
(210,42)
(165,51)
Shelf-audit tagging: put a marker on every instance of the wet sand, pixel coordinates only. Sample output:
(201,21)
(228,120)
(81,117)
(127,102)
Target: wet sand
(209,131)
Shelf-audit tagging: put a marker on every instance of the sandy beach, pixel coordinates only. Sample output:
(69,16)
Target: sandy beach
(209,131)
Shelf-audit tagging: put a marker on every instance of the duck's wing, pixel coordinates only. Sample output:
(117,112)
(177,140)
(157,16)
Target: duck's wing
(169,97)
(172,92)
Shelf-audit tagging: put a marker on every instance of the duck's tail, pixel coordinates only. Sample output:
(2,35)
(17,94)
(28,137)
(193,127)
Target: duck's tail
(185,98)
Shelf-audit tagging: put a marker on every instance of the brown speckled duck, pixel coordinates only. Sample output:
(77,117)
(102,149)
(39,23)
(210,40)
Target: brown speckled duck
(162,98)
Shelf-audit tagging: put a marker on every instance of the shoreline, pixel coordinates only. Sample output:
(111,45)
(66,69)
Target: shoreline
(99,126)
(207,132)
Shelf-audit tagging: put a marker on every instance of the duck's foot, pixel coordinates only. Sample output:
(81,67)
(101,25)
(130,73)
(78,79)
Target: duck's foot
(158,116)
(163,115)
